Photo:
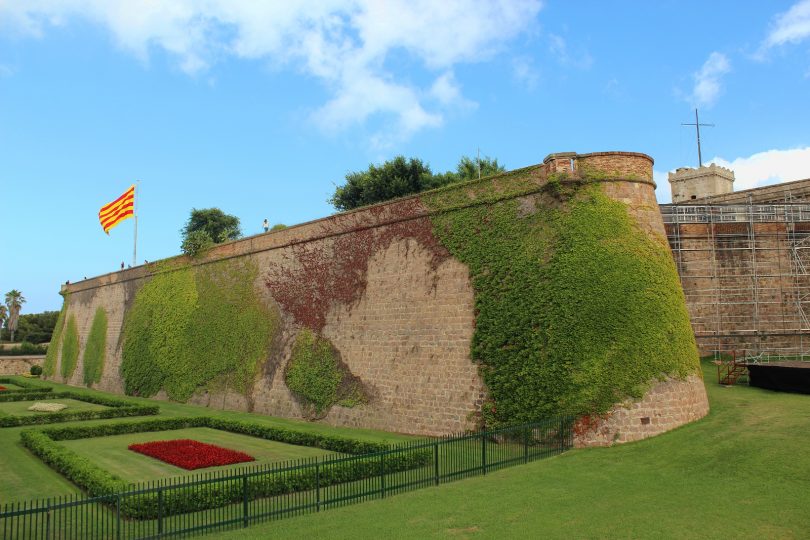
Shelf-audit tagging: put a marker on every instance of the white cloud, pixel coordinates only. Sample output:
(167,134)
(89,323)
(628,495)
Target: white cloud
(559,48)
(792,26)
(769,167)
(524,72)
(760,169)
(707,81)
(345,44)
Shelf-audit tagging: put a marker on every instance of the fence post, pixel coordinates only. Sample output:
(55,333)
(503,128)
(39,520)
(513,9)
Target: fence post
(382,475)
(526,444)
(245,500)
(436,461)
(483,453)
(48,519)
(317,485)
(160,511)
(118,516)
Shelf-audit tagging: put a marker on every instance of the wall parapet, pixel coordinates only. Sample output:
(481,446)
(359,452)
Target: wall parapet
(387,213)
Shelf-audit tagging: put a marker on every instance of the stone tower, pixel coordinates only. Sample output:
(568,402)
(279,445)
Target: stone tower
(691,184)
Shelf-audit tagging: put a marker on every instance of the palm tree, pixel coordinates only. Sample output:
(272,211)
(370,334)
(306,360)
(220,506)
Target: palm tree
(3,317)
(14,302)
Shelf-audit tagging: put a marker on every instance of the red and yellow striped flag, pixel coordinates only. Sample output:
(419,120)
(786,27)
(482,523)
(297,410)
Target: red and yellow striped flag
(117,211)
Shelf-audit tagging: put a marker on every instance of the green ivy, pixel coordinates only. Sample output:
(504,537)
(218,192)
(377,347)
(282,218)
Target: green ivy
(577,308)
(70,349)
(316,375)
(49,366)
(193,327)
(96,348)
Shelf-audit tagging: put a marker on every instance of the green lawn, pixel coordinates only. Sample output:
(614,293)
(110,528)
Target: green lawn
(20,408)
(112,454)
(742,472)
(25,477)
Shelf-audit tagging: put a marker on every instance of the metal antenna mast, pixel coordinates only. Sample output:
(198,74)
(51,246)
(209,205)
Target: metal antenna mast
(697,125)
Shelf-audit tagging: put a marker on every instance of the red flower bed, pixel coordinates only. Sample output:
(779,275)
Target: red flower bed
(3,388)
(190,454)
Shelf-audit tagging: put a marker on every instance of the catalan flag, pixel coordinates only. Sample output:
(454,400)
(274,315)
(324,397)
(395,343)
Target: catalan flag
(117,211)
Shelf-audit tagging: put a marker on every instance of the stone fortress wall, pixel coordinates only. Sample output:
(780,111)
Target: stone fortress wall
(399,309)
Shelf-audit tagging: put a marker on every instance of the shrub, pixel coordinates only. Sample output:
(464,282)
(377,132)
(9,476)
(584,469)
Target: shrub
(36,370)
(24,349)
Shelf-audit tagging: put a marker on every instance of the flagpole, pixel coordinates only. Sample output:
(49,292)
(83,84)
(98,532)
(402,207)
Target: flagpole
(135,244)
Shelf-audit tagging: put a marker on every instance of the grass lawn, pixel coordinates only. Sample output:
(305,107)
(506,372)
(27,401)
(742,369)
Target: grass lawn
(25,477)
(112,454)
(20,408)
(742,472)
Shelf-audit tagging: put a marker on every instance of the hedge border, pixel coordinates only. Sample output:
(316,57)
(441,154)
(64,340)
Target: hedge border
(119,409)
(25,387)
(143,504)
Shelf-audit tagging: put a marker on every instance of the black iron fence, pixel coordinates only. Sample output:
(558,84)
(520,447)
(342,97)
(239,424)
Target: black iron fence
(218,501)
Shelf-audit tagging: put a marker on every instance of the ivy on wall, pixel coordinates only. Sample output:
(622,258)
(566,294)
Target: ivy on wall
(49,365)
(318,377)
(193,328)
(577,308)
(96,348)
(70,349)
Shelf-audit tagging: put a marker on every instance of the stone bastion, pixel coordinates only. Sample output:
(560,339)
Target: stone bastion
(545,290)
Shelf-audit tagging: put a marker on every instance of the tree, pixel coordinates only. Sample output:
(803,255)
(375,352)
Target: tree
(14,302)
(399,176)
(37,327)
(467,168)
(3,317)
(206,227)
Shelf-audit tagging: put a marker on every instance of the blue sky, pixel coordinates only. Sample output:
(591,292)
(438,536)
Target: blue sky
(259,108)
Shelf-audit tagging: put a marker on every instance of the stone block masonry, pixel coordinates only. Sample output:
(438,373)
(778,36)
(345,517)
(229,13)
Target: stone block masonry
(398,310)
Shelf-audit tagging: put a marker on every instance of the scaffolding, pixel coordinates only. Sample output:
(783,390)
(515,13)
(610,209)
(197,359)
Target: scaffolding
(745,271)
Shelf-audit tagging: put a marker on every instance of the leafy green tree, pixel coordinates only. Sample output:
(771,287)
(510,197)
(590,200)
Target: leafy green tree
(37,327)
(14,302)
(3,317)
(467,168)
(206,227)
(399,176)
(394,178)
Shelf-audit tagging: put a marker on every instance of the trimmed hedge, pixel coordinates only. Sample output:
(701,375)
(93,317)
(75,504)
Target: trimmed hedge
(228,488)
(24,349)
(120,409)
(25,388)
